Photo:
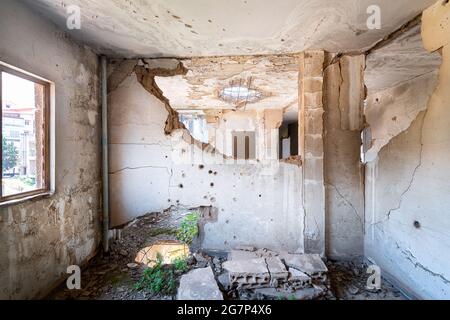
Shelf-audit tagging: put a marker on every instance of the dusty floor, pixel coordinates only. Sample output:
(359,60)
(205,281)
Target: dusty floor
(114,276)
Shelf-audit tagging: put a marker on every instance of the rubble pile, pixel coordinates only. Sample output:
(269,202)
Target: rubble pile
(250,273)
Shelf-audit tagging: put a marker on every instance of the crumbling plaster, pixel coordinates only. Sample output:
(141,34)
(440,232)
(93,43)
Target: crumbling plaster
(391,111)
(400,77)
(406,221)
(151,171)
(274,77)
(41,238)
(402,59)
(177,28)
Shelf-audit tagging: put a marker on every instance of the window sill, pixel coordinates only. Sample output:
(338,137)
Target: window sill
(38,196)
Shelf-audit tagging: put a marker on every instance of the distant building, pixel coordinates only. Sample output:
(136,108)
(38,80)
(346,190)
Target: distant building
(18,127)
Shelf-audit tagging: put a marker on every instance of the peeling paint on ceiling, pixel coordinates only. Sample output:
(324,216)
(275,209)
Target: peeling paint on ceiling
(275,77)
(180,28)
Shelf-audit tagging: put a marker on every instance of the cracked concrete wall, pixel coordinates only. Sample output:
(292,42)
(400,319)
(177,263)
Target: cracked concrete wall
(407,221)
(311,148)
(343,172)
(390,112)
(258,204)
(39,239)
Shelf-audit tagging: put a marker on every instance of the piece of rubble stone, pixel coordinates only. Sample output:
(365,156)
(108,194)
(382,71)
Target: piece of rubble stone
(224,280)
(298,279)
(132,265)
(277,269)
(199,257)
(311,264)
(248,274)
(199,284)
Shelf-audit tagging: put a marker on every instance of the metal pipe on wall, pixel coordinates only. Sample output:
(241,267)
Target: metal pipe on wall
(105,182)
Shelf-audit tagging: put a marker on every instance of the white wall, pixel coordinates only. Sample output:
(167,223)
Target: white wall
(408,182)
(258,204)
(40,238)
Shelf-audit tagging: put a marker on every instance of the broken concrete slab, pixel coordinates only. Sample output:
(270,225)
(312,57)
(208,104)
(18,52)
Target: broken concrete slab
(298,279)
(277,269)
(199,284)
(248,274)
(311,264)
(249,266)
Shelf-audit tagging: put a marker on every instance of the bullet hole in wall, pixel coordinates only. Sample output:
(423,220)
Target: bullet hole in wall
(212,184)
(180,185)
(417,224)
(201,166)
(210,172)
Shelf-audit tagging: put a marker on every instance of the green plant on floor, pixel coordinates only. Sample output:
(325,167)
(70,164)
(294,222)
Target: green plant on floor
(188,229)
(158,279)
(180,264)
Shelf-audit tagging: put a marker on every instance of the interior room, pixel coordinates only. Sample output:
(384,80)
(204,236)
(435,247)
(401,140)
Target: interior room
(225,150)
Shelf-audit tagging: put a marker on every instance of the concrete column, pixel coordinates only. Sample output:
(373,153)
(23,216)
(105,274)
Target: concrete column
(311,149)
(343,172)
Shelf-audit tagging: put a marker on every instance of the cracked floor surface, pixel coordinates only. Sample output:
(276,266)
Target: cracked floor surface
(110,277)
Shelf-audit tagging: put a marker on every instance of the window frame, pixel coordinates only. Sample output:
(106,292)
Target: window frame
(46,132)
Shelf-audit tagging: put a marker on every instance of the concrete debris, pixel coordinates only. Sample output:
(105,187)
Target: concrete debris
(224,281)
(251,271)
(199,284)
(114,276)
(248,274)
(311,264)
(277,269)
(298,279)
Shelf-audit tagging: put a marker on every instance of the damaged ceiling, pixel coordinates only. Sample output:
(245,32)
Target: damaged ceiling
(401,60)
(179,28)
(275,78)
